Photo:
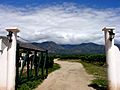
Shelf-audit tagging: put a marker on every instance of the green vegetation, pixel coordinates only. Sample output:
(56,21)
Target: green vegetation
(30,84)
(99,72)
(55,67)
(98,59)
(94,64)
(34,82)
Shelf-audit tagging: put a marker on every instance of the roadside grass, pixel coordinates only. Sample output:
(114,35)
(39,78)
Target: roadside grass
(33,83)
(99,72)
(55,67)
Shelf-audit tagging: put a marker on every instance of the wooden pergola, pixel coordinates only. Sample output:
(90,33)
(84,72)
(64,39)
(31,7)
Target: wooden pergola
(34,61)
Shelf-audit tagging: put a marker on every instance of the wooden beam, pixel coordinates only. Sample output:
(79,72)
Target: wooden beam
(28,62)
(36,63)
(17,67)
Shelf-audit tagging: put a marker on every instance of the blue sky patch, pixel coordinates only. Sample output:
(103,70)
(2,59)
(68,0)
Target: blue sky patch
(88,3)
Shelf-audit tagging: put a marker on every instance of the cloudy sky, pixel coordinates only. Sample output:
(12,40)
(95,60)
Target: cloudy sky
(61,21)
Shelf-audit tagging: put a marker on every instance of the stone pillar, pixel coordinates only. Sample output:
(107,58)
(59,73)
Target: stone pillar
(112,57)
(11,67)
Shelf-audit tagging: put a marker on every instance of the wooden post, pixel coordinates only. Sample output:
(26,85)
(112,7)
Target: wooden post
(46,65)
(42,62)
(39,61)
(17,66)
(32,63)
(28,62)
(36,64)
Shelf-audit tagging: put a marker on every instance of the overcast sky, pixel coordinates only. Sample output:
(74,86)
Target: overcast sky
(62,22)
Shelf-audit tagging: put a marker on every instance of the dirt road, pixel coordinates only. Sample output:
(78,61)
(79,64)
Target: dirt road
(71,76)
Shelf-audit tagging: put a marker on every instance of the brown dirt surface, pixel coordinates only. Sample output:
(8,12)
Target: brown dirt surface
(71,76)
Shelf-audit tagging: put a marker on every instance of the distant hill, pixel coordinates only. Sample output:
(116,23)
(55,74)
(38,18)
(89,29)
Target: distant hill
(51,46)
(84,48)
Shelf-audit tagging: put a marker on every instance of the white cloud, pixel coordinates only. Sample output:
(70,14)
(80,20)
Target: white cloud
(61,23)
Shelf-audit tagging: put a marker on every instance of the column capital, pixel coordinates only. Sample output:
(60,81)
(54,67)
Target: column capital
(13,29)
(108,28)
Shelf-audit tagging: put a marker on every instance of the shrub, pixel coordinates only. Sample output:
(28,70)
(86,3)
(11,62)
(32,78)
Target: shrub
(98,59)
(50,62)
(23,87)
(33,83)
(100,82)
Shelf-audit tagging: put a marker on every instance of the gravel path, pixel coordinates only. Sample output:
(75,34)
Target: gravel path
(71,76)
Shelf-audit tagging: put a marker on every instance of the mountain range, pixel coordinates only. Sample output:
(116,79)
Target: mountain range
(84,48)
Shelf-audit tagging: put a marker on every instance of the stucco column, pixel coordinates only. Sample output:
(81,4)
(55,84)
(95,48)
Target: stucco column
(111,59)
(11,67)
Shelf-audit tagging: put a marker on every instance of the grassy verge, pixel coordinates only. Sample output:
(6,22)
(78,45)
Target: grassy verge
(55,67)
(99,72)
(31,84)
